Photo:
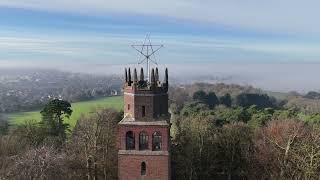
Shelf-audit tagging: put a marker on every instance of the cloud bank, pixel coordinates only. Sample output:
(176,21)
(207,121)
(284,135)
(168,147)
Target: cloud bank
(294,16)
(116,49)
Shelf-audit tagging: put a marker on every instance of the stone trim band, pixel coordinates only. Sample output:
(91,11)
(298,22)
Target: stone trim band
(132,94)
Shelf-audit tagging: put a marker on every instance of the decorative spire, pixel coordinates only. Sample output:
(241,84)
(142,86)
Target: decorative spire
(129,79)
(126,74)
(153,78)
(141,75)
(135,75)
(157,74)
(166,76)
(147,50)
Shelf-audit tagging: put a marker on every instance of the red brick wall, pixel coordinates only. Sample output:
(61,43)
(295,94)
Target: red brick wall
(123,129)
(128,100)
(157,167)
(155,102)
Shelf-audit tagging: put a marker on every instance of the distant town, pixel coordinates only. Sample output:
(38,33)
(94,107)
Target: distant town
(22,90)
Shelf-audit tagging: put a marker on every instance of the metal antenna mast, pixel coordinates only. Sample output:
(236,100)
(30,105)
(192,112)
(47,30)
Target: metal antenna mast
(147,51)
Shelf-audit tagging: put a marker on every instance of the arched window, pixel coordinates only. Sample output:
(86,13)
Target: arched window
(143,141)
(143,168)
(129,140)
(143,111)
(156,141)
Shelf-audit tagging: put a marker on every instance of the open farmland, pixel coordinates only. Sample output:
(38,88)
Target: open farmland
(79,108)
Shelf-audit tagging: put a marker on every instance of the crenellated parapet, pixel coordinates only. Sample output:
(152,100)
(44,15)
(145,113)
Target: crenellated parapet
(144,99)
(143,85)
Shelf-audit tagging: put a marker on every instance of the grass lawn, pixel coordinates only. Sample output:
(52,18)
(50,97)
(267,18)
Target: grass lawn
(79,108)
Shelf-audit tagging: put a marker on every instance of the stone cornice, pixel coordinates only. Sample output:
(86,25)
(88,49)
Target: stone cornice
(143,153)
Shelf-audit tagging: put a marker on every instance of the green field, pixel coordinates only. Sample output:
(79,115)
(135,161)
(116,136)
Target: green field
(277,95)
(79,108)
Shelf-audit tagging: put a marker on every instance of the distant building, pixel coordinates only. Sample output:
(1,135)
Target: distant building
(114,92)
(144,132)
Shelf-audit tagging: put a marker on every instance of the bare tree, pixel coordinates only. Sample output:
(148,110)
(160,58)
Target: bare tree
(94,139)
(276,145)
(306,154)
(235,145)
(42,163)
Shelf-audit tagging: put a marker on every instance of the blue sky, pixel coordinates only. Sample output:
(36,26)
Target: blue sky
(57,33)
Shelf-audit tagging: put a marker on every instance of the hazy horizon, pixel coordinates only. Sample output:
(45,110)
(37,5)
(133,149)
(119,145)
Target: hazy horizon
(280,77)
(274,44)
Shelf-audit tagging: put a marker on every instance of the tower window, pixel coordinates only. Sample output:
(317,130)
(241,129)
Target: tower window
(143,168)
(130,141)
(143,111)
(128,106)
(143,141)
(156,141)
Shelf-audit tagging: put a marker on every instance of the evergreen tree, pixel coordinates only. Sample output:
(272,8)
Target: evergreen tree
(53,115)
(200,96)
(226,100)
(212,100)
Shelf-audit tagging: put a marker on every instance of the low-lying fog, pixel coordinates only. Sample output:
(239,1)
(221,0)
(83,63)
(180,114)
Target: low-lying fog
(275,77)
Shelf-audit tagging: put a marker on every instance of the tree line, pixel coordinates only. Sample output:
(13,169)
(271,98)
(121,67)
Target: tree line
(241,135)
(253,138)
(50,150)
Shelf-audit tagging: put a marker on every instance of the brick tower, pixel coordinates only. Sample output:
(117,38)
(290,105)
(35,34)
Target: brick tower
(144,132)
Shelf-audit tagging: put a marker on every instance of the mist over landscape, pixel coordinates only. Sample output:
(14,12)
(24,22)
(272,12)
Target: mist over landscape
(282,77)
(278,50)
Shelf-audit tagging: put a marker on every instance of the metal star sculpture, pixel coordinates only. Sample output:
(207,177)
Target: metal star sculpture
(147,53)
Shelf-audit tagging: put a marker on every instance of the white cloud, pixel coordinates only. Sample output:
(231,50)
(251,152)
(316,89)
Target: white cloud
(268,15)
(116,49)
